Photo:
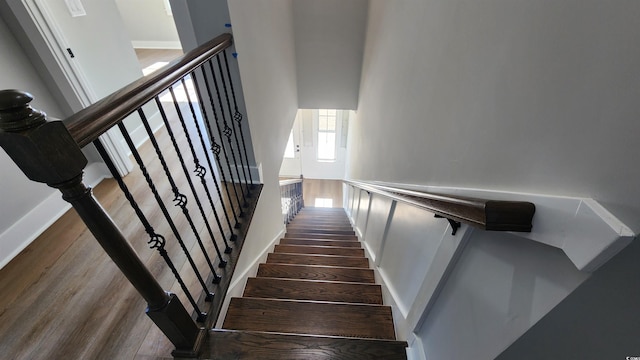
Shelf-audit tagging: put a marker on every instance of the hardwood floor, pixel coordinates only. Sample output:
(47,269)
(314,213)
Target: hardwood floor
(321,188)
(151,57)
(63,298)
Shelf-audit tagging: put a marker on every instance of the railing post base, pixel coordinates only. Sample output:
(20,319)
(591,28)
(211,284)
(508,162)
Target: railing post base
(174,321)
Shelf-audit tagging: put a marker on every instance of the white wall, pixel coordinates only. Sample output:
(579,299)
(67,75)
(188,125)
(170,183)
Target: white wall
(148,24)
(525,96)
(27,207)
(462,296)
(19,195)
(100,43)
(329,38)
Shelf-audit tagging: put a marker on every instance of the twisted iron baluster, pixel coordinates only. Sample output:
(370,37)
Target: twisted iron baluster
(217,122)
(237,116)
(235,133)
(163,208)
(156,241)
(204,147)
(227,131)
(180,199)
(214,145)
(199,172)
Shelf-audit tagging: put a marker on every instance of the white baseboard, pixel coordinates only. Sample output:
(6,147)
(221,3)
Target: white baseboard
(24,231)
(149,44)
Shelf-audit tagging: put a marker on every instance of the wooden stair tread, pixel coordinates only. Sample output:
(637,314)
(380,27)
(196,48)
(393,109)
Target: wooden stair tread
(327,260)
(277,288)
(321,236)
(319,231)
(316,272)
(322,250)
(324,242)
(245,345)
(310,317)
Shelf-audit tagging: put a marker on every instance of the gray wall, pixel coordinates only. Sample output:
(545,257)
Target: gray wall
(600,320)
(20,195)
(532,96)
(501,286)
(329,38)
(147,22)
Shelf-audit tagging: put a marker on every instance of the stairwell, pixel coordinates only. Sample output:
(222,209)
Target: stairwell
(314,298)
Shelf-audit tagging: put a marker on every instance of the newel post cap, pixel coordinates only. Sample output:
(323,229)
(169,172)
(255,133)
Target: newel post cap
(15,112)
(43,150)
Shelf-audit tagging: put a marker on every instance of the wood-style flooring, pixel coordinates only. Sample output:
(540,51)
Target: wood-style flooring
(322,188)
(156,57)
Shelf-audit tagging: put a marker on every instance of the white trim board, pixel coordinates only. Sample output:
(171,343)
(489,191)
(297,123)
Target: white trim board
(24,231)
(152,44)
(587,232)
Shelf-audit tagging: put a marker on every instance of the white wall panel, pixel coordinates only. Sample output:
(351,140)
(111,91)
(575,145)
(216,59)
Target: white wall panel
(412,240)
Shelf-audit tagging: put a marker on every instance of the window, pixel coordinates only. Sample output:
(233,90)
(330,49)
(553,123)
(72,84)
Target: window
(323,202)
(289,152)
(327,120)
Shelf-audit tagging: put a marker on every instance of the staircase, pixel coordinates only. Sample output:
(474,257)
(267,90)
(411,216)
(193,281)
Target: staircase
(314,298)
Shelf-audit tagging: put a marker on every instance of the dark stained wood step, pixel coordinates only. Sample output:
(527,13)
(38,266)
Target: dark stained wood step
(319,231)
(310,317)
(315,272)
(305,226)
(339,243)
(274,288)
(327,260)
(250,345)
(321,250)
(320,236)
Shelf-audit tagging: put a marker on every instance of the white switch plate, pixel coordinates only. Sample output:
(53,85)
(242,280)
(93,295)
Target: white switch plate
(75,8)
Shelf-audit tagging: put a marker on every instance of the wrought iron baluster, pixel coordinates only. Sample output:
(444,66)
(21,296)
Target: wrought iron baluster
(188,177)
(227,131)
(163,208)
(156,241)
(206,153)
(235,133)
(217,147)
(237,116)
(180,199)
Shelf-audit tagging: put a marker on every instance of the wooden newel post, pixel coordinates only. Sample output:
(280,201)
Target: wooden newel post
(46,152)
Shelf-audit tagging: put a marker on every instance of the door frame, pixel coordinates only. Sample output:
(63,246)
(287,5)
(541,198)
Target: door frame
(45,29)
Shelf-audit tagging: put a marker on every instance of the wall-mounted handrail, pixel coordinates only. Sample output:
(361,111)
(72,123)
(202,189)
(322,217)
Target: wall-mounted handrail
(88,124)
(486,214)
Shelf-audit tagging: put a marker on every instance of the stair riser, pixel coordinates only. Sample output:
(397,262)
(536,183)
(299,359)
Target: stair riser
(327,250)
(338,243)
(326,260)
(316,273)
(320,236)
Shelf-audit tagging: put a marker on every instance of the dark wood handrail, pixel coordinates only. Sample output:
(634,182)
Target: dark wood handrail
(88,124)
(486,214)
